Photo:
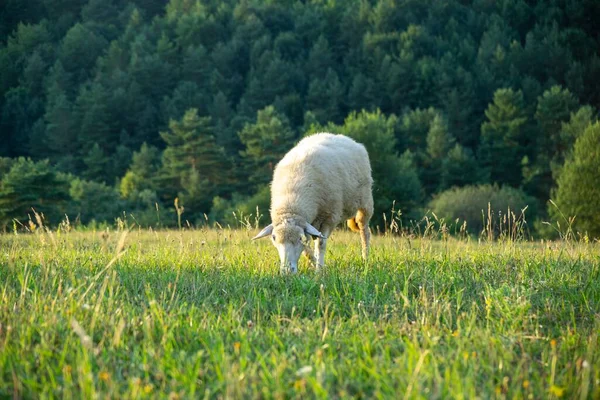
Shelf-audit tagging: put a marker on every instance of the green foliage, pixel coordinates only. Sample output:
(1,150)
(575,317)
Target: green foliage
(85,84)
(194,167)
(503,137)
(578,192)
(460,168)
(96,163)
(145,164)
(93,201)
(28,186)
(266,141)
(480,206)
(553,109)
(240,211)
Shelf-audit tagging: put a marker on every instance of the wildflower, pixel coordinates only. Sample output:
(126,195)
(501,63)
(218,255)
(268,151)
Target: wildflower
(557,391)
(525,384)
(299,384)
(104,376)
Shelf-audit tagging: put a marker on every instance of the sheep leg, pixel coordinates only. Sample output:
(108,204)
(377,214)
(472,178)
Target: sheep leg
(310,255)
(320,247)
(362,220)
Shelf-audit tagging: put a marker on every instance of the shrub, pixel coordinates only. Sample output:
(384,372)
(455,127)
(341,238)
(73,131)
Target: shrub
(470,204)
(242,210)
(94,201)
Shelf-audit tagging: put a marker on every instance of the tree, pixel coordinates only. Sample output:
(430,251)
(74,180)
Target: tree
(145,164)
(96,164)
(325,97)
(194,167)
(61,136)
(578,193)
(79,50)
(439,142)
(414,127)
(94,120)
(396,181)
(460,168)
(502,138)
(554,107)
(265,141)
(28,185)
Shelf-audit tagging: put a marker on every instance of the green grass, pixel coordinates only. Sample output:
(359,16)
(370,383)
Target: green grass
(206,314)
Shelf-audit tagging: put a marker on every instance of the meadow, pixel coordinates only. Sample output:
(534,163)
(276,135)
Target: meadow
(206,314)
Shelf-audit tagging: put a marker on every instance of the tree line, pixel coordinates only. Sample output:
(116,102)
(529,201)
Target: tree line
(112,107)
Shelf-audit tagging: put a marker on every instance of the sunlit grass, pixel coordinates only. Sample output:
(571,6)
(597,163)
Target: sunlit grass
(206,314)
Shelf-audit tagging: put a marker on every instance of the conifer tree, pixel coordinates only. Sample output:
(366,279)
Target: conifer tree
(28,185)
(502,137)
(265,141)
(578,192)
(192,152)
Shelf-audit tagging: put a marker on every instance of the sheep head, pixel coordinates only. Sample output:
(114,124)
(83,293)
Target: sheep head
(289,238)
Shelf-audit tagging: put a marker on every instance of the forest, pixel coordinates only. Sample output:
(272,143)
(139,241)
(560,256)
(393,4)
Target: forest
(175,113)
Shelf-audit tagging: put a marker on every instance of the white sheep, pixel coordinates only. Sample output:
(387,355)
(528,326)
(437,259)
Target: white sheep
(323,180)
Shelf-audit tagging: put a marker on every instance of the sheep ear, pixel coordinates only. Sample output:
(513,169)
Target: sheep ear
(312,231)
(265,232)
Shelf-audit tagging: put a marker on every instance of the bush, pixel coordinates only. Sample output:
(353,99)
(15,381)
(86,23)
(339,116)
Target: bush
(241,210)
(94,201)
(470,204)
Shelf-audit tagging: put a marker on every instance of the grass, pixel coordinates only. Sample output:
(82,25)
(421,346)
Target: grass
(205,313)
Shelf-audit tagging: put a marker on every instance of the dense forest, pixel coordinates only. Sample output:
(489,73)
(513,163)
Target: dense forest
(147,111)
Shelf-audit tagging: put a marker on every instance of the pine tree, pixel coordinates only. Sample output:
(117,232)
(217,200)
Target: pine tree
(144,166)
(96,164)
(265,141)
(502,137)
(460,168)
(325,98)
(439,142)
(28,185)
(578,192)
(192,152)
(554,107)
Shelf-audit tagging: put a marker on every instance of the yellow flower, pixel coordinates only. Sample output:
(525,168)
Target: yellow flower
(299,384)
(455,333)
(557,391)
(104,376)
(525,384)
(148,388)
(553,343)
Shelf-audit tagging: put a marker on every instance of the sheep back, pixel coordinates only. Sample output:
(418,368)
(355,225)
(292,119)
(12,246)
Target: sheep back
(325,177)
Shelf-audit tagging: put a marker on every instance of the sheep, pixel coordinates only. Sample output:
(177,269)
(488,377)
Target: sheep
(324,179)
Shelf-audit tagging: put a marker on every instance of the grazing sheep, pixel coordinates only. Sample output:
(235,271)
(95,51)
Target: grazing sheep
(324,179)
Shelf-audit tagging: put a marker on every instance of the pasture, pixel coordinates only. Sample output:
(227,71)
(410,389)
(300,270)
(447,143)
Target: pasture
(206,314)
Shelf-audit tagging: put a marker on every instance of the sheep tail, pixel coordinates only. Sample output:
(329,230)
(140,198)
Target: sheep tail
(353,225)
